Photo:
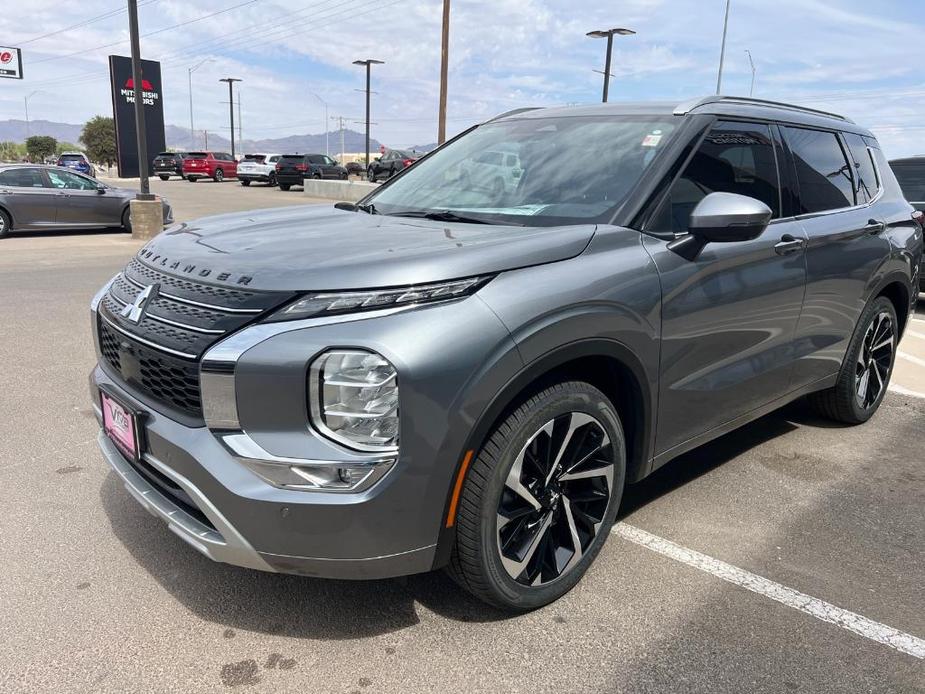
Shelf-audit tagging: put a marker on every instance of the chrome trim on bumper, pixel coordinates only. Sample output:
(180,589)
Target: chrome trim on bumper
(224,544)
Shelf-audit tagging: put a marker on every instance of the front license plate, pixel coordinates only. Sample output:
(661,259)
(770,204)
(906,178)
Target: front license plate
(121,425)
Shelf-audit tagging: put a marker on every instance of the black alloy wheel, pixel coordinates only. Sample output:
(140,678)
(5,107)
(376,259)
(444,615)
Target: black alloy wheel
(875,360)
(4,224)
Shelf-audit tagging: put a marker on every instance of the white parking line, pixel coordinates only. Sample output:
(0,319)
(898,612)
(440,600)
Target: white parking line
(855,623)
(909,357)
(901,390)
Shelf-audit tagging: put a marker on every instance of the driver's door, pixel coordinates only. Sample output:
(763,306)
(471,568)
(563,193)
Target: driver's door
(82,202)
(728,317)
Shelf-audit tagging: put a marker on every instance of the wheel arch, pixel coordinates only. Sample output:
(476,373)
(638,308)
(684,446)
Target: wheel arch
(9,215)
(896,288)
(606,364)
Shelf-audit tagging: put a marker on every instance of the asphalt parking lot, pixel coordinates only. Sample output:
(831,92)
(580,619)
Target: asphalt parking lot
(706,585)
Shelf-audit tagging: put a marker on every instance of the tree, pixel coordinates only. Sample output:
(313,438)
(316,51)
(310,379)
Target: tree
(40,146)
(63,147)
(99,137)
(12,151)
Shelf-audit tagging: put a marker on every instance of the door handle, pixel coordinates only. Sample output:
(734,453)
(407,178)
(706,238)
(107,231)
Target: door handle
(874,227)
(788,244)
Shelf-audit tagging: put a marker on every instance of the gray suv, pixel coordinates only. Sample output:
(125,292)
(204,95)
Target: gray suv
(459,376)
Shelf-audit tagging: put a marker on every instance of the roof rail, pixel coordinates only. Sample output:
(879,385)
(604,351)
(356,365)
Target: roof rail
(689,106)
(513,112)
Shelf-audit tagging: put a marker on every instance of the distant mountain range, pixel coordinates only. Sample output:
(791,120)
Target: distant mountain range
(179,138)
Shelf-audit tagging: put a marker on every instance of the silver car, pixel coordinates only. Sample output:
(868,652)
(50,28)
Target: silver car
(35,197)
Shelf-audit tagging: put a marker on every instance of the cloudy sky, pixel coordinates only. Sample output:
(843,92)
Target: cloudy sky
(856,57)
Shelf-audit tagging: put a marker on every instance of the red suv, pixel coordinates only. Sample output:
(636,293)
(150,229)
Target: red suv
(215,165)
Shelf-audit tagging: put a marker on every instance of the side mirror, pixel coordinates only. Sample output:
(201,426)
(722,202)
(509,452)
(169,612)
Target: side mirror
(101,189)
(722,218)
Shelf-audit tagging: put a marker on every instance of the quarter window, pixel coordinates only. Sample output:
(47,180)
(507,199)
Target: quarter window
(866,183)
(823,173)
(733,158)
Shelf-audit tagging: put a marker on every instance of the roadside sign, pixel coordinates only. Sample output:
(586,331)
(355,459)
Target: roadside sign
(10,62)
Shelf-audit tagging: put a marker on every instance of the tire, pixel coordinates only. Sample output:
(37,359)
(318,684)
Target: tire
(371,176)
(285,186)
(316,176)
(219,176)
(164,178)
(872,351)
(271,180)
(5,224)
(344,176)
(127,220)
(245,183)
(540,424)
(191,179)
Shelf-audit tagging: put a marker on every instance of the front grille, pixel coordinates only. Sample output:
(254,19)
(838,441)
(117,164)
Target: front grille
(159,356)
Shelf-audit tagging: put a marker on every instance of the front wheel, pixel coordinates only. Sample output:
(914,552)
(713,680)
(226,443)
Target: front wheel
(538,503)
(164,178)
(284,186)
(271,180)
(245,182)
(191,179)
(127,220)
(219,176)
(4,224)
(865,373)
(371,176)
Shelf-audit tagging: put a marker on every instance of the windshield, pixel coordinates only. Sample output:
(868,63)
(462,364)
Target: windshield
(534,171)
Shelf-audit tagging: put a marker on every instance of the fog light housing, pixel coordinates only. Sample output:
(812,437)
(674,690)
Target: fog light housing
(353,399)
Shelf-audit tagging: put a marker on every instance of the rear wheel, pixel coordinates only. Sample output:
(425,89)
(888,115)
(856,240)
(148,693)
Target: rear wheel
(271,180)
(284,186)
(245,182)
(344,175)
(5,224)
(538,503)
(316,176)
(191,179)
(164,178)
(219,175)
(866,370)
(371,176)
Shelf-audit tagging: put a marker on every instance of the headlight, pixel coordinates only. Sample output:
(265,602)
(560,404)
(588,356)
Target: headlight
(353,399)
(332,303)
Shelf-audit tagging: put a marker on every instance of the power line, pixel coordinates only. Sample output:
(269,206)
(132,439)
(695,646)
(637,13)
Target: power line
(152,33)
(97,18)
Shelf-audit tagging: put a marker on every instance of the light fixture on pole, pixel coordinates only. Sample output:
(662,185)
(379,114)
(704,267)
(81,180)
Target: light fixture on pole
(751,89)
(189,73)
(609,34)
(369,62)
(231,81)
(722,51)
(327,149)
(37,91)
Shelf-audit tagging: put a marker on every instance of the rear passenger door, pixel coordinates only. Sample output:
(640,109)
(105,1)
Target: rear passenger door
(729,316)
(835,183)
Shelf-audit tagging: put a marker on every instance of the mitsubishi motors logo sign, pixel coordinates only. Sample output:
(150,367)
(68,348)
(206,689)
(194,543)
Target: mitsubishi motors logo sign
(149,94)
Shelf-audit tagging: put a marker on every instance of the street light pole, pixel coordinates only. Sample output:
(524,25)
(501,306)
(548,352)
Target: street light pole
(26,99)
(369,62)
(444,69)
(722,51)
(751,89)
(231,81)
(190,71)
(140,131)
(608,34)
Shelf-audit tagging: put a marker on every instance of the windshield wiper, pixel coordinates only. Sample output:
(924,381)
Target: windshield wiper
(447,216)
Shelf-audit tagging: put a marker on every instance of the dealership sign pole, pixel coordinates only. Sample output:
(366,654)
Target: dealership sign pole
(10,63)
(140,136)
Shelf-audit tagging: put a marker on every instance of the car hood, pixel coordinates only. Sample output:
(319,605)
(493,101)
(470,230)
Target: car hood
(320,247)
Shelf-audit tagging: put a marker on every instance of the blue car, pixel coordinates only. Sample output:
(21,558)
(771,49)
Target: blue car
(78,162)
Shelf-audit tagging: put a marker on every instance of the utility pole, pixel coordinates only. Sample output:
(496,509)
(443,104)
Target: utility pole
(340,126)
(140,131)
(205,134)
(28,133)
(722,52)
(751,89)
(444,68)
(369,62)
(324,123)
(240,120)
(189,74)
(231,81)
(608,34)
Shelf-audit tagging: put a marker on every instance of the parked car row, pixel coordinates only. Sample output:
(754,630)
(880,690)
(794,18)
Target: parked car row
(284,170)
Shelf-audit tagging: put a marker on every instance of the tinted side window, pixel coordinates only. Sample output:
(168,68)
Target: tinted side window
(911,177)
(866,183)
(22,178)
(316,159)
(823,173)
(733,158)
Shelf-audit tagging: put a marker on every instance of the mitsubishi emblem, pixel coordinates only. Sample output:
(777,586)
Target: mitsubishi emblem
(135,311)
